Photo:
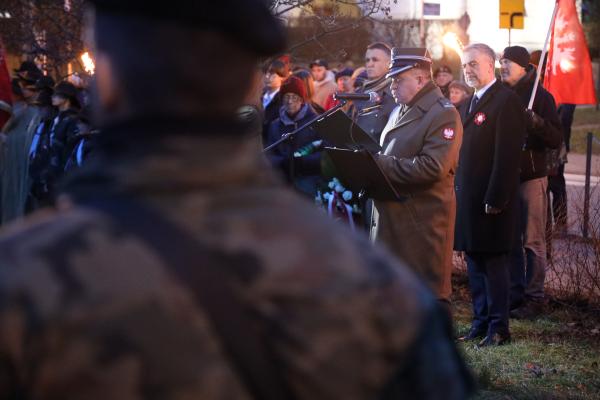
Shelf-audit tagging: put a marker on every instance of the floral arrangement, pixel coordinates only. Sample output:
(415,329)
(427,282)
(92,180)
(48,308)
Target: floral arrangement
(339,202)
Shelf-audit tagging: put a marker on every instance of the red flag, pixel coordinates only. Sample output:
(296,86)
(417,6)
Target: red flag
(5,86)
(569,70)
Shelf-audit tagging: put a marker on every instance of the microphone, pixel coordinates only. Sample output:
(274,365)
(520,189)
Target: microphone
(370,96)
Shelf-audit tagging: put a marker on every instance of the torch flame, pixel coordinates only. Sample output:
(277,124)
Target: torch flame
(451,40)
(88,63)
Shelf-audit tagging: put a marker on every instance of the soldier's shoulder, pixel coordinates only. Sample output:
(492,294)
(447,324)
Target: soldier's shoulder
(46,230)
(445,103)
(444,109)
(329,255)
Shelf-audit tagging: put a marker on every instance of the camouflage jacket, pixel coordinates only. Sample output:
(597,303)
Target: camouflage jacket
(88,311)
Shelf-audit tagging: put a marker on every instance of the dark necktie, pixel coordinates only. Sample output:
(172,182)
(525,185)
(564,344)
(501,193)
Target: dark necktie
(474,101)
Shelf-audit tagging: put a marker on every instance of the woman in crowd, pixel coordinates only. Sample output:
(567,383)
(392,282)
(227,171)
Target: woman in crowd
(299,158)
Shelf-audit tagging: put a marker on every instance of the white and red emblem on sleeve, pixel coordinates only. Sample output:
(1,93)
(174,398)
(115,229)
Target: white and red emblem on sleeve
(479,118)
(448,133)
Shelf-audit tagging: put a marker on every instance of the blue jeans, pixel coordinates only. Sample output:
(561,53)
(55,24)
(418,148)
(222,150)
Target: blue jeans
(528,259)
(489,285)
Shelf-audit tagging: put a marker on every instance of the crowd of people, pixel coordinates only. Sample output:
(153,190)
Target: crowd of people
(47,135)
(492,179)
(181,266)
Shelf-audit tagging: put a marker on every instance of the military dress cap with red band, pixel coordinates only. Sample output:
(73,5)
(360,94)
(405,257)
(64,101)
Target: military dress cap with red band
(247,22)
(405,59)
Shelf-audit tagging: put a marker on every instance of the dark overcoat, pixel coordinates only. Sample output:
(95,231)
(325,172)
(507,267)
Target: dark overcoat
(488,171)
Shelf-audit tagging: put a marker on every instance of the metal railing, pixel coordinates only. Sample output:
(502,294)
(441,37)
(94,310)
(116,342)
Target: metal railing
(588,174)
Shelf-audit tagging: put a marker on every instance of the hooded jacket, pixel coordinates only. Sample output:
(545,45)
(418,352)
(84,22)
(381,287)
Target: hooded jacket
(304,172)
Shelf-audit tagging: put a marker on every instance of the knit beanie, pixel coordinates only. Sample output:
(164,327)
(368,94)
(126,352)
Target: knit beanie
(294,85)
(517,54)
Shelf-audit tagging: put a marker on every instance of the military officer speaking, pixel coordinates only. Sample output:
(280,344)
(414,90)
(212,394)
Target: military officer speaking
(421,142)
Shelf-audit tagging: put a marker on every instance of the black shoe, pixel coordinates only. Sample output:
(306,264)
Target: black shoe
(495,340)
(472,335)
(531,310)
(515,305)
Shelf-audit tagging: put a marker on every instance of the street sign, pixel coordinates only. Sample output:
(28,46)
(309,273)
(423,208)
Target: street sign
(511,14)
(431,9)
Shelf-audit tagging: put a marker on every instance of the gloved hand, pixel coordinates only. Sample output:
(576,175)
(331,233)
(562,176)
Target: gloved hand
(534,121)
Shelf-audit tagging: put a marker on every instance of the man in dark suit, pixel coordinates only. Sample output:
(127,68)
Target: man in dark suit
(487,181)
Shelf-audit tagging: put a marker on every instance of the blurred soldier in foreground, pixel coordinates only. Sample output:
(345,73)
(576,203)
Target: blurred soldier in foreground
(179,272)
(420,154)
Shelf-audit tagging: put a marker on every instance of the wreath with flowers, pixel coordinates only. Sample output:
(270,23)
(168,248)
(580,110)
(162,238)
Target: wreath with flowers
(340,203)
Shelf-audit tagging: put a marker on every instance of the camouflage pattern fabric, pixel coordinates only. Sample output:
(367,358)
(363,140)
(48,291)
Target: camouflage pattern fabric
(88,311)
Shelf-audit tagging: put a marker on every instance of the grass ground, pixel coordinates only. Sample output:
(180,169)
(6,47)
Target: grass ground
(554,357)
(585,120)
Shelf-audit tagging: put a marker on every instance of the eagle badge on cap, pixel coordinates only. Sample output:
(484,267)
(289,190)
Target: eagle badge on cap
(448,133)
(479,118)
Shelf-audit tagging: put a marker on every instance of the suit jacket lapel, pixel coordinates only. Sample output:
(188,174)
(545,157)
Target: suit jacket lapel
(482,102)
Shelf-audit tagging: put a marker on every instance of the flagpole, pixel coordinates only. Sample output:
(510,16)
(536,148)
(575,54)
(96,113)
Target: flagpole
(542,58)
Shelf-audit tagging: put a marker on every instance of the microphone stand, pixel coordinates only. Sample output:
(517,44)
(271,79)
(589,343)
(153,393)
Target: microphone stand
(290,135)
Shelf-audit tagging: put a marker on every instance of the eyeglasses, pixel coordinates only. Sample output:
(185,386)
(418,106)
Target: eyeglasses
(291,98)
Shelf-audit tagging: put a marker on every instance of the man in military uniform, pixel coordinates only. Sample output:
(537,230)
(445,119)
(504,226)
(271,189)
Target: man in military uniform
(421,142)
(372,116)
(175,270)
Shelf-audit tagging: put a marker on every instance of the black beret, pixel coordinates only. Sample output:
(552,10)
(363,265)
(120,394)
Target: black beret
(28,72)
(68,91)
(248,22)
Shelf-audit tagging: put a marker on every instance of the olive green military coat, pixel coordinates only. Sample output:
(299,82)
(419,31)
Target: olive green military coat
(420,158)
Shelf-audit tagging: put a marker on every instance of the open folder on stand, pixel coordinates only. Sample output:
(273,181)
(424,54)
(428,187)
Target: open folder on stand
(339,130)
(359,172)
(352,157)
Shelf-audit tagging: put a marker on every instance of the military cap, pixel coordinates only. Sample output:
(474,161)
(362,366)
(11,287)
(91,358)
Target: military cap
(405,59)
(68,91)
(28,72)
(248,22)
(443,68)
